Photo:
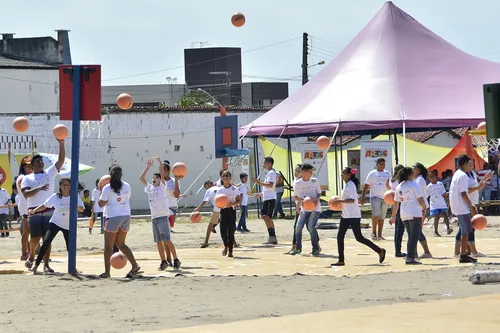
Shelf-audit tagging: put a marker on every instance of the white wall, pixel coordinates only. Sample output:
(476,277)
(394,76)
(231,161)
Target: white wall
(129,138)
(32,91)
(443,139)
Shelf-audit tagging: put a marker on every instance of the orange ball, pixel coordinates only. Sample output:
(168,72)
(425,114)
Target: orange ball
(308,204)
(179,169)
(195,217)
(479,222)
(323,142)
(221,200)
(60,131)
(124,101)
(389,197)
(481,126)
(118,260)
(335,205)
(238,20)
(104,180)
(21,124)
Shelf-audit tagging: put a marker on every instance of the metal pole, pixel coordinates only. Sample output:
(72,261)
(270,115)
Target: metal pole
(256,167)
(290,172)
(404,143)
(305,52)
(396,156)
(75,158)
(336,169)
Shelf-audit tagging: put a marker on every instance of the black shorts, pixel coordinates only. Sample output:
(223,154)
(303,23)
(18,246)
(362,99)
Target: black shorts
(268,208)
(39,224)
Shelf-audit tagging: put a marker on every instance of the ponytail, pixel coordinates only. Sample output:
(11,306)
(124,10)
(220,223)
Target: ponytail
(404,174)
(116,179)
(397,168)
(352,175)
(423,170)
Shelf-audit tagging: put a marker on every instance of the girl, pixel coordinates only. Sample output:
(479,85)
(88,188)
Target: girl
(409,196)
(420,175)
(24,169)
(59,220)
(228,214)
(351,216)
(438,207)
(399,228)
(116,197)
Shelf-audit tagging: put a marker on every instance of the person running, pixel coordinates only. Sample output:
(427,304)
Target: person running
(420,174)
(307,186)
(269,198)
(116,197)
(351,217)
(210,193)
(22,205)
(399,227)
(37,187)
(158,204)
(97,211)
(228,214)
(377,182)
(409,195)
(59,221)
(438,207)
(242,224)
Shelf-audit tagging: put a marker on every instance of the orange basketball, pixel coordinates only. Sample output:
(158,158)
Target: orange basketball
(238,20)
(389,197)
(481,126)
(221,200)
(21,124)
(195,217)
(308,204)
(335,205)
(323,142)
(479,222)
(179,169)
(118,260)
(60,131)
(124,101)
(104,180)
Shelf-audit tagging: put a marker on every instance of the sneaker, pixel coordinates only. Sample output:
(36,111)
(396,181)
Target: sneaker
(413,262)
(177,264)
(163,266)
(400,255)
(315,253)
(90,231)
(449,231)
(381,256)
(169,262)
(204,245)
(239,229)
(295,252)
(289,252)
(426,256)
(478,255)
(272,240)
(467,259)
(246,230)
(213,230)
(28,264)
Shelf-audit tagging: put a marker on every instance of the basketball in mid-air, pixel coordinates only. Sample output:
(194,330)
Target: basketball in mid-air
(238,19)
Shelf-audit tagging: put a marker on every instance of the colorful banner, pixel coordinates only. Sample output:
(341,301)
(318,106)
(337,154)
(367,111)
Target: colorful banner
(316,157)
(371,151)
(5,173)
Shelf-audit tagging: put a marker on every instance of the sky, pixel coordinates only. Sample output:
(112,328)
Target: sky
(142,42)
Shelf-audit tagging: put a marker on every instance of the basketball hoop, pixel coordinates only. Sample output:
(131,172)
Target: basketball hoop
(91,129)
(484,146)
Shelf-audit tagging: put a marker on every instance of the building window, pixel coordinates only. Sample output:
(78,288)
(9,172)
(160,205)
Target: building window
(270,102)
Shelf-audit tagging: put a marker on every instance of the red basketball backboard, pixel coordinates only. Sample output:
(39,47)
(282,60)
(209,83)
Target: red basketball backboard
(91,92)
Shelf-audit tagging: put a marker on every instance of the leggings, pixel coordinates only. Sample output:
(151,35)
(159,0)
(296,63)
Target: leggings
(294,240)
(228,227)
(49,237)
(355,224)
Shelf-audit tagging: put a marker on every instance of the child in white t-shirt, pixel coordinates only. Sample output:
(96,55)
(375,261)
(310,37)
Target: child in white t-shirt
(228,213)
(242,224)
(97,212)
(210,193)
(438,207)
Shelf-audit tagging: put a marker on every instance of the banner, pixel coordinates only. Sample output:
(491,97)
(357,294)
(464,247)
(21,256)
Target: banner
(314,156)
(370,152)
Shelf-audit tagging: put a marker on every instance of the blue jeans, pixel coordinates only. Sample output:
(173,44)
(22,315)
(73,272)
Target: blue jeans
(311,219)
(242,224)
(485,193)
(414,230)
(278,208)
(399,230)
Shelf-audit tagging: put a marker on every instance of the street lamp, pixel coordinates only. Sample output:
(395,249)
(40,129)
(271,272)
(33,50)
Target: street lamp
(212,97)
(320,63)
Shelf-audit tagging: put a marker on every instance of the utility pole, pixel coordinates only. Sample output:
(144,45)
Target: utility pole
(305,51)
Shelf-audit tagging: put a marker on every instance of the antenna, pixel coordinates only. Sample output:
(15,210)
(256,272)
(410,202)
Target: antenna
(201,44)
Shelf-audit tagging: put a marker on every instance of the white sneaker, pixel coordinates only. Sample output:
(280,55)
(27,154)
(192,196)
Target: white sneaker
(426,256)
(478,255)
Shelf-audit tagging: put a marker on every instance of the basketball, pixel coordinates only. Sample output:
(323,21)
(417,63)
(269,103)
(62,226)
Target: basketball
(323,142)
(308,204)
(195,217)
(118,260)
(479,222)
(481,126)
(60,132)
(238,20)
(104,181)
(221,200)
(21,124)
(179,169)
(389,197)
(335,205)
(124,101)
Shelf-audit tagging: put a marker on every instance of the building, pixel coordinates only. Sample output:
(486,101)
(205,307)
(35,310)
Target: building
(148,95)
(263,94)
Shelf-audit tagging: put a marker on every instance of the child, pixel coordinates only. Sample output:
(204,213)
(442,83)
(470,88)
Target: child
(211,190)
(269,198)
(158,204)
(228,214)
(58,222)
(242,224)
(4,210)
(399,228)
(96,210)
(438,207)
(86,202)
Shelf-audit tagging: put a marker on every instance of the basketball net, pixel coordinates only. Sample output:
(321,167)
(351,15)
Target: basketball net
(91,129)
(484,146)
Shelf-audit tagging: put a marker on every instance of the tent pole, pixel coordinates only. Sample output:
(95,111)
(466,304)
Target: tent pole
(404,143)
(336,169)
(341,157)
(395,146)
(290,171)
(256,168)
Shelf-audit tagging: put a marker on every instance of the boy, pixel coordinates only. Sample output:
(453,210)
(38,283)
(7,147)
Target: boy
(210,193)
(269,197)
(96,210)
(86,203)
(4,210)
(160,211)
(242,224)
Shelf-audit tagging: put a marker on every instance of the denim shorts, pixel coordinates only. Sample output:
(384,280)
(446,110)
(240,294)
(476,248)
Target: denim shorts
(379,207)
(465,224)
(113,224)
(438,211)
(161,229)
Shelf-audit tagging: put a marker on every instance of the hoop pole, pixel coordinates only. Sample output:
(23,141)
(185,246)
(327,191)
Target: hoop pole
(201,173)
(404,142)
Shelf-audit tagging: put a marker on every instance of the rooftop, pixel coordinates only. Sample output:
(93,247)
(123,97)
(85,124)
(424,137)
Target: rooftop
(8,62)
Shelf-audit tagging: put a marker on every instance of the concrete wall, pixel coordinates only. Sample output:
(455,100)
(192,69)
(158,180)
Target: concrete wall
(443,139)
(129,138)
(32,91)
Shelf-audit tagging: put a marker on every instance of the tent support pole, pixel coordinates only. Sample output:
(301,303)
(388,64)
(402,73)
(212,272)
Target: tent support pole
(256,168)
(396,156)
(336,169)
(341,157)
(404,143)
(290,171)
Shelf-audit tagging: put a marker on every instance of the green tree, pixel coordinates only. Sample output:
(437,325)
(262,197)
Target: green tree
(195,98)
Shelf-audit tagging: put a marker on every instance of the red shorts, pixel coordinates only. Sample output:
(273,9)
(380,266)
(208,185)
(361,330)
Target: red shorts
(171,220)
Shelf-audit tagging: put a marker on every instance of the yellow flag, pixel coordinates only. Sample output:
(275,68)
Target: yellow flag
(5,173)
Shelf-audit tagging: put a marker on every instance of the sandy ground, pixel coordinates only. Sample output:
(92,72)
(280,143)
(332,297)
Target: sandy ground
(65,304)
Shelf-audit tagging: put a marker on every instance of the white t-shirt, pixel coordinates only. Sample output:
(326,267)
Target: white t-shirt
(118,204)
(350,210)
(218,183)
(435,192)
(459,183)
(244,195)
(474,196)
(95,198)
(407,194)
(378,183)
(172,200)
(158,200)
(37,180)
(394,184)
(423,188)
(269,193)
(4,198)
(310,188)
(232,192)
(22,205)
(210,196)
(61,212)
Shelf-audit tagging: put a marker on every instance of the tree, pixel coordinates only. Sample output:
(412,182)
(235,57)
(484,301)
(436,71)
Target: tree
(195,98)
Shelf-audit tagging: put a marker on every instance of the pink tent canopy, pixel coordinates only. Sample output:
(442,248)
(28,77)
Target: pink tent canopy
(394,72)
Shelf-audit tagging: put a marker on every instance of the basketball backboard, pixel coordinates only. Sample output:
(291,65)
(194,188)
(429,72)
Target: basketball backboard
(226,134)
